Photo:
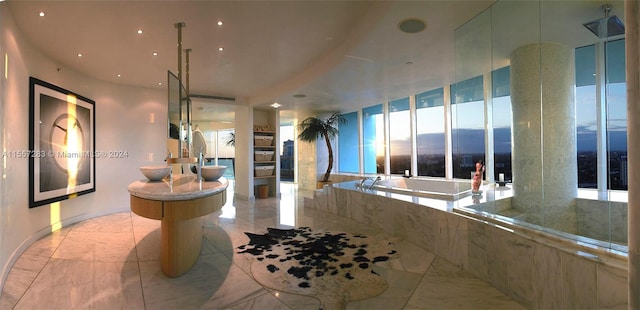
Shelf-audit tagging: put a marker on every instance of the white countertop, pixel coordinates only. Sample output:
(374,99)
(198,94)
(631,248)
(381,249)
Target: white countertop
(180,187)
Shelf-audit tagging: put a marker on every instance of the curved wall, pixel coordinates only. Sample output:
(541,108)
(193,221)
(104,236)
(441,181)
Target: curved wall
(127,119)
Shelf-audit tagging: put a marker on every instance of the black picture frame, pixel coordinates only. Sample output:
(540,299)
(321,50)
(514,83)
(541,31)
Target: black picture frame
(62,155)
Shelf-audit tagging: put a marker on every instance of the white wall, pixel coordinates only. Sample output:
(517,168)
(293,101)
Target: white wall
(122,124)
(244,146)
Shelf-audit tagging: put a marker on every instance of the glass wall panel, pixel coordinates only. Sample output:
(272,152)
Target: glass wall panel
(399,136)
(566,134)
(501,123)
(430,137)
(348,144)
(616,114)
(373,135)
(467,132)
(586,120)
(599,130)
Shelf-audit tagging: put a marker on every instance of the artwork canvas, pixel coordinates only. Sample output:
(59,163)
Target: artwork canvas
(61,144)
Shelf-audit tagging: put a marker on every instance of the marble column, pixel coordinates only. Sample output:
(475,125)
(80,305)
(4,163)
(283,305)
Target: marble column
(545,177)
(632,38)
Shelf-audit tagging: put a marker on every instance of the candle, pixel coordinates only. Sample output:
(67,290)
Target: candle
(501,177)
(406,173)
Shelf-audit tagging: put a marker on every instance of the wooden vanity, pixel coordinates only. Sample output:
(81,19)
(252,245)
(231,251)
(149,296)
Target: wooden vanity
(179,203)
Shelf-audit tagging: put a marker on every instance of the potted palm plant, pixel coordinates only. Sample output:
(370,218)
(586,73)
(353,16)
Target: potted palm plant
(314,128)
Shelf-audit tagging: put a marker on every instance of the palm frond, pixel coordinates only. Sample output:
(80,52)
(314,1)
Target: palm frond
(313,128)
(231,139)
(332,123)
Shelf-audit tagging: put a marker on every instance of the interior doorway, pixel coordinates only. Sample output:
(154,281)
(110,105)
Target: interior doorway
(287,153)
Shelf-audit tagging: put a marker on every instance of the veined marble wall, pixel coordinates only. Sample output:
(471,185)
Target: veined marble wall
(602,220)
(538,271)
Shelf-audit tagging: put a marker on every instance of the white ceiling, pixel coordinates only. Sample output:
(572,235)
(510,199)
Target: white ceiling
(343,55)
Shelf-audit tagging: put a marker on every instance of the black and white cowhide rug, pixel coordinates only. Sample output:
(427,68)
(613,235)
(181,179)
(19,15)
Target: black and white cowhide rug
(333,267)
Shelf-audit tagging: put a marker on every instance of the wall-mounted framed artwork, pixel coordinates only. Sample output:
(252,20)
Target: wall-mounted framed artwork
(61,144)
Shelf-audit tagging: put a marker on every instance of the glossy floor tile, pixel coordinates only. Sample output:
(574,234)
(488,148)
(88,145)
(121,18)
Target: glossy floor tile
(113,262)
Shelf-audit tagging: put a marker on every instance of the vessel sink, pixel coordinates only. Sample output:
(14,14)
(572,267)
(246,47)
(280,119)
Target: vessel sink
(155,173)
(212,173)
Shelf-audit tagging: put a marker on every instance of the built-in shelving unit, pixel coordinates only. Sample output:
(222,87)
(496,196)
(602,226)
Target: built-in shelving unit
(266,164)
(264,154)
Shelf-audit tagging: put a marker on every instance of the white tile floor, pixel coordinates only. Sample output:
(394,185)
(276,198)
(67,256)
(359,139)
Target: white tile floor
(112,262)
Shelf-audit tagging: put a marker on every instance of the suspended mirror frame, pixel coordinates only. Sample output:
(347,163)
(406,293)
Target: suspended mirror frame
(178,121)
(179,113)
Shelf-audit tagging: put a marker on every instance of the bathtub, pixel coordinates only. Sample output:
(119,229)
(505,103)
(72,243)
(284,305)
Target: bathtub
(426,187)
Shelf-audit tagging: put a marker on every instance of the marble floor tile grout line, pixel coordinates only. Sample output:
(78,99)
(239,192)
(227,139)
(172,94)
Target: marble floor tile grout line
(267,290)
(414,290)
(48,261)
(138,268)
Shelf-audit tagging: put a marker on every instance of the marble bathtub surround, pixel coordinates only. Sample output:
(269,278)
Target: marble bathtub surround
(113,262)
(529,265)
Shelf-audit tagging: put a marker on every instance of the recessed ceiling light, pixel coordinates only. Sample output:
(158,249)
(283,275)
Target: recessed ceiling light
(275,105)
(41,14)
(219,23)
(79,54)
(155,53)
(159,83)
(119,75)
(412,25)
(220,49)
(139,31)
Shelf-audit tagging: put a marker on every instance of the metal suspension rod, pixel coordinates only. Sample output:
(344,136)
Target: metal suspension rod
(187,51)
(180,25)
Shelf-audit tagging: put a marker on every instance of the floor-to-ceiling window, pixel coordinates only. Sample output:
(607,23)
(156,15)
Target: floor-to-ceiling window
(468,132)
(373,136)
(467,126)
(399,136)
(616,100)
(348,144)
(501,104)
(606,94)
(430,138)
(586,118)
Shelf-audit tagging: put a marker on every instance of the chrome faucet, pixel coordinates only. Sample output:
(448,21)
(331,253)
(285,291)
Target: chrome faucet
(378,179)
(362,182)
(169,156)
(373,182)
(200,164)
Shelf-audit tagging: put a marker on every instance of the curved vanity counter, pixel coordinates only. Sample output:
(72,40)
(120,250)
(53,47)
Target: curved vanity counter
(179,204)
(182,187)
